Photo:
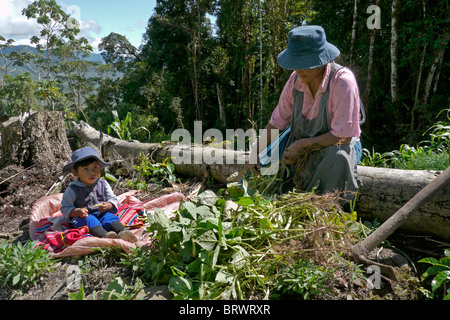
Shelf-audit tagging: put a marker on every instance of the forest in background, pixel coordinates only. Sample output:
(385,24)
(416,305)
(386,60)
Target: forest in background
(226,74)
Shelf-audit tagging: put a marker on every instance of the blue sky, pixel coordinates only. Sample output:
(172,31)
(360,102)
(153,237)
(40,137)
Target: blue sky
(98,19)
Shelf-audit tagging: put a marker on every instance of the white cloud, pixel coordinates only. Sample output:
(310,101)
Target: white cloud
(14,25)
(90,26)
(95,43)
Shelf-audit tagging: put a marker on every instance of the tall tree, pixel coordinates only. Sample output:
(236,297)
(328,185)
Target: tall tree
(118,51)
(354,29)
(394,44)
(177,44)
(6,63)
(53,20)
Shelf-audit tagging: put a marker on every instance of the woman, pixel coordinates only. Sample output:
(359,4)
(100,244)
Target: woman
(320,102)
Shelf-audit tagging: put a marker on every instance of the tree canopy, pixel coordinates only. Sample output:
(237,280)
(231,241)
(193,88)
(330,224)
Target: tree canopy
(215,61)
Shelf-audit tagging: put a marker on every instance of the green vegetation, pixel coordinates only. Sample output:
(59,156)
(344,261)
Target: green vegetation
(432,154)
(187,69)
(117,289)
(22,265)
(161,174)
(440,272)
(261,249)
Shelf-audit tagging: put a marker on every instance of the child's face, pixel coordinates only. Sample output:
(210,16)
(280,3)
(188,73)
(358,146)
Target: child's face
(88,174)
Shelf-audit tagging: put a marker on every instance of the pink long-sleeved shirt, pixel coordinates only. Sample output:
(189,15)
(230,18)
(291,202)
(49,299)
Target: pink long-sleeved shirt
(343,105)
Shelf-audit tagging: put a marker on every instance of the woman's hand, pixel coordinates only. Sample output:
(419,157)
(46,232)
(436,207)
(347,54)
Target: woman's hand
(290,155)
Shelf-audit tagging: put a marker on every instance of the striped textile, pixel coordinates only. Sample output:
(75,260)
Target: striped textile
(54,234)
(129,214)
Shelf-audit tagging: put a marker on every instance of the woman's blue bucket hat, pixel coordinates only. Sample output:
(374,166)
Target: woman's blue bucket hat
(82,154)
(307,48)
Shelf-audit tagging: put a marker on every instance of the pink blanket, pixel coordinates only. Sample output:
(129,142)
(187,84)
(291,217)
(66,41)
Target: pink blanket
(71,242)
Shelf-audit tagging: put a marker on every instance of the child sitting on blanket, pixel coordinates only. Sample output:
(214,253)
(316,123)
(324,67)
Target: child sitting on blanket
(89,200)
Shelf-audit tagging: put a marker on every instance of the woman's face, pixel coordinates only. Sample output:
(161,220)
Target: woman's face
(308,76)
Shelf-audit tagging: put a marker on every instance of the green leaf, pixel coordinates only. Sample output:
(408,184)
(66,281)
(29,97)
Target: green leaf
(16,279)
(161,218)
(445,262)
(197,212)
(173,228)
(180,286)
(215,256)
(209,223)
(117,285)
(441,277)
(171,167)
(207,240)
(224,277)
(245,201)
(78,295)
(265,224)
(110,177)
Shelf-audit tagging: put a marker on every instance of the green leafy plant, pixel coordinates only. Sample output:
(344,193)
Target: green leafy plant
(207,252)
(22,265)
(375,159)
(157,173)
(440,135)
(440,271)
(433,154)
(123,128)
(304,279)
(117,289)
(79,295)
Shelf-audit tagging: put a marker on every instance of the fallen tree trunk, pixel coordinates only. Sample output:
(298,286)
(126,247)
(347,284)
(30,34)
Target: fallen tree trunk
(192,165)
(383,191)
(403,214)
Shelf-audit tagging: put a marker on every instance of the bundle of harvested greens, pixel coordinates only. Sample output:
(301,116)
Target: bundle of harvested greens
(205,253)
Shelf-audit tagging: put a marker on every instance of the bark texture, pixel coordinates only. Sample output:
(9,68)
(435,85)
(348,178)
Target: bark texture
(39,139)
(384,191)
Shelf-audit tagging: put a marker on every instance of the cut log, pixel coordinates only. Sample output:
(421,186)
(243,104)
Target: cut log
(383,191)
(403,214)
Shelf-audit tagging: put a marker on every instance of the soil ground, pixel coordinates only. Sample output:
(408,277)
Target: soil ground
(21,187)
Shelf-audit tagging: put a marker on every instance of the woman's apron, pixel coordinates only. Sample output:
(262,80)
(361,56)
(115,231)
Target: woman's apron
(333,168)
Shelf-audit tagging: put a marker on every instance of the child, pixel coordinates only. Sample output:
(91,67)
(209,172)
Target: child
(89,200)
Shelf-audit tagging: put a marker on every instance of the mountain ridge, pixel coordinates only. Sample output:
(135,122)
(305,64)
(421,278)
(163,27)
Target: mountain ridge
(30,67)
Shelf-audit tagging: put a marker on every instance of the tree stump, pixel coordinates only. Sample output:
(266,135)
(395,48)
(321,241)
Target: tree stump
(39,139)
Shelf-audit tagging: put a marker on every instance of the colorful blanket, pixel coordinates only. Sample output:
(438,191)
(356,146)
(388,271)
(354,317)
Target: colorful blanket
(51,232)
(54,234)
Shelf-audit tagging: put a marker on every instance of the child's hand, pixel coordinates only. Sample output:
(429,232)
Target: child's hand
(105,206)
(79,212)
